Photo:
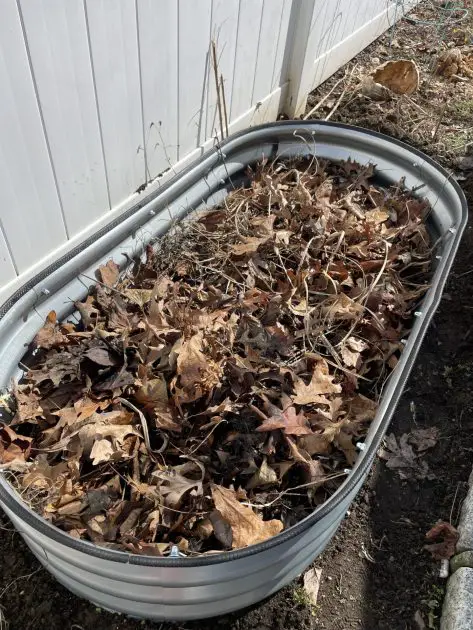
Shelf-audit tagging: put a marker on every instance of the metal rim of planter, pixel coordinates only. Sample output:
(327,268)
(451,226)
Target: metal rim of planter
(9,497)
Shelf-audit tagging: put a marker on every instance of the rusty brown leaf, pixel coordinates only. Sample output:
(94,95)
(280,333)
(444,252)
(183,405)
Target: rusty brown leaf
(446,537)
(109,273)
(321,383)
(50,335)
(247,527)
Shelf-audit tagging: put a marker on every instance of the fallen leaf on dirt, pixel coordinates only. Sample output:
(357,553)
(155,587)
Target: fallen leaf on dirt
(400,456)
(247,527)
(446,536)
(375,91)
(400,76)
(424,439)
(449,62)
(312,584)
(109,273)
(419,621)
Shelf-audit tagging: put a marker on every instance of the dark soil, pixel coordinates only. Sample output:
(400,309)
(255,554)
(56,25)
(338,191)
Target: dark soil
(375,573)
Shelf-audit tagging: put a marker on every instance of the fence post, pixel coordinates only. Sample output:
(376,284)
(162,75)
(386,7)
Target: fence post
(300,58)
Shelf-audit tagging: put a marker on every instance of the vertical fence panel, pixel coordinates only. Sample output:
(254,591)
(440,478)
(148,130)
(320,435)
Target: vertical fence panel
(249,22)
(29,206)
(326,30)
(57,38)
(267,49)
(7,269)
(193,72)
(114,49)
(283,50)
(157,31)
(224,34)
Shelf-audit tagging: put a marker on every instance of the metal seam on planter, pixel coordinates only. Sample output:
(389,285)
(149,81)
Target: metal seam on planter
(347,141)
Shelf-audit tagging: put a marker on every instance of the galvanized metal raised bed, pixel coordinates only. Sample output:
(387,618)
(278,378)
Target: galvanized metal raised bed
(190,588)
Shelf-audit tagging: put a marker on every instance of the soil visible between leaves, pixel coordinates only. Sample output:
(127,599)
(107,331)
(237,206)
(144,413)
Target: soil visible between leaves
(375,573)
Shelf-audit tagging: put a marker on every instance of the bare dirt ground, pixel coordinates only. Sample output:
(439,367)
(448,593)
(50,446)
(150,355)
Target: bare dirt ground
(375,573)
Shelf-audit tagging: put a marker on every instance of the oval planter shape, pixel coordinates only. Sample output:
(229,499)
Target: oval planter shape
(179,588)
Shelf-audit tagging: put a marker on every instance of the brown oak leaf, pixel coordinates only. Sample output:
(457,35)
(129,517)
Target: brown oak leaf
(109,273)
(287,419)
(247,527)
(14,448)
(50,335)
(321,383)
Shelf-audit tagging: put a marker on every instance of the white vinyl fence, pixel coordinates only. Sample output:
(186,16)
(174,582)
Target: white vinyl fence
(101,96)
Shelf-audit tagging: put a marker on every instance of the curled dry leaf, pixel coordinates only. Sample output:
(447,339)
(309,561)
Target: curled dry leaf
(42,476)
(351,351)
(446,537)
(50,335)
(249,245)
(400,76)
(14,448)
(140,297)
(109,273)
(89,314)
(152,393)
(263,476)
(247,527)
(102,451)
(28,406)
(101,355)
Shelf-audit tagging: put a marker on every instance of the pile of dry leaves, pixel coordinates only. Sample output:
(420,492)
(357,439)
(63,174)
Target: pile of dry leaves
(213,395)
